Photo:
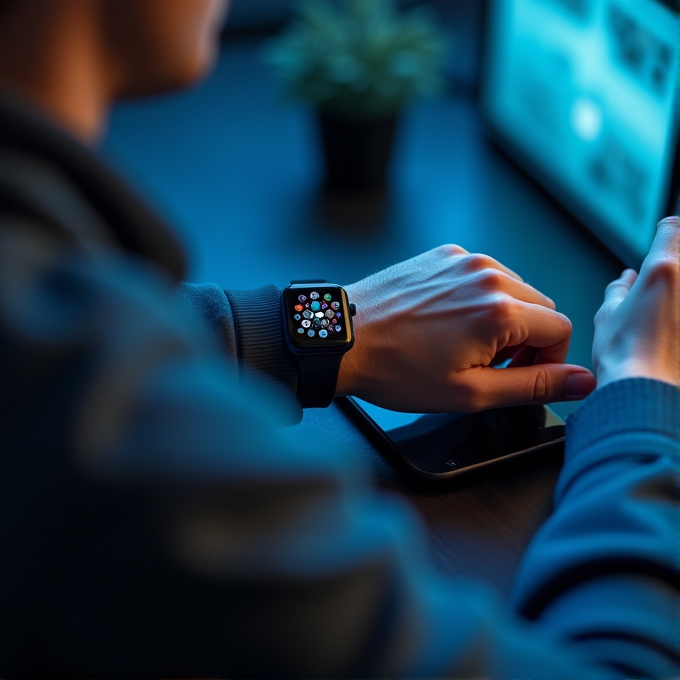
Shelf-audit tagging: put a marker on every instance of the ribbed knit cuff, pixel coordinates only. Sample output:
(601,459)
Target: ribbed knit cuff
(631,405)
(631,417)
(259,335)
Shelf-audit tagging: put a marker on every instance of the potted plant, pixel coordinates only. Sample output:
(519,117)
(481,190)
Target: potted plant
(359,63)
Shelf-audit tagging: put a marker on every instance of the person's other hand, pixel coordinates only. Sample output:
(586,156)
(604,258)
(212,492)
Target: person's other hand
(429,331)
(637,329)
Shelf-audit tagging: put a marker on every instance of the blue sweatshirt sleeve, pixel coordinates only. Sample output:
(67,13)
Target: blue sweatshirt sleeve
(157,521)
(246,325)
(603,572)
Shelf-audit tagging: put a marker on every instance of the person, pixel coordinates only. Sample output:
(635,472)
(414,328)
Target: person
(157,519)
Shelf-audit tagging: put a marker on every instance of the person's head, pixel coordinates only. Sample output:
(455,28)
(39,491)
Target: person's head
(150,45)
(159,44)
(110,48)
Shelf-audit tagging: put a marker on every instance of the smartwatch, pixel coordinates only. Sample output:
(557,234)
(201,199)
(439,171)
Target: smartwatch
(317,320)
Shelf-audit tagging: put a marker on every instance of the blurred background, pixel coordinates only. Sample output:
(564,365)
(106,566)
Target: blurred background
(238,168)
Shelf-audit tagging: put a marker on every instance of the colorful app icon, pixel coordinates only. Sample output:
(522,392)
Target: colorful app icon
(306,323)
(315,306)
(318,315)
(298,308)
(338,314)
(327,297)
(324,322)
(307,304)
(331,328)
(302,298)
(297,317)
(314,295)
(324,305)
(301,330)
(317,323)
(323,334)
(335,305)
(330,314)
(338,329)
(307,314)
(311,334)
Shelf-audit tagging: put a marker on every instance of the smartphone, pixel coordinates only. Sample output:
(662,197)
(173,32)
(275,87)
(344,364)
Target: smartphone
(446,446)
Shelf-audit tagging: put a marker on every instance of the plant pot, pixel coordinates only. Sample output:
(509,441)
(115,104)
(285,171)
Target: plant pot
(357,151)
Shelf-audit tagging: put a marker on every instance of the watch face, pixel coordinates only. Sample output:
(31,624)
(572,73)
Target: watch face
(317,316)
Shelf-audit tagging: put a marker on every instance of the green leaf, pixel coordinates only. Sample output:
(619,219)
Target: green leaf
(358,56)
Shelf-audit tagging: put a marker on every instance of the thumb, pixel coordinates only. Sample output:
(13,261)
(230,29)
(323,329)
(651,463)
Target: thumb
(524,385)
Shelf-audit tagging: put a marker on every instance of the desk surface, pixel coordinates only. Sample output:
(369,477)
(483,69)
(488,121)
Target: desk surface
(237,170)
(478,529)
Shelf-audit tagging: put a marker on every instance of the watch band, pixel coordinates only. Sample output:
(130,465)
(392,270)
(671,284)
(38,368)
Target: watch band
(318,379)
(318,371)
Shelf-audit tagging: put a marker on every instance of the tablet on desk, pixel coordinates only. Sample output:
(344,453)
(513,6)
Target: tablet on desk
(583,94)
(444,447)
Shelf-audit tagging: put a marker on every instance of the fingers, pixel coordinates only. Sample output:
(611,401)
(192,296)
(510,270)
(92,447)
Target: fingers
(480,262)
(495,264)
(541,384)
(667,240)
(495,276)
(539,328)
(618,290)
(660,272)
(526,293)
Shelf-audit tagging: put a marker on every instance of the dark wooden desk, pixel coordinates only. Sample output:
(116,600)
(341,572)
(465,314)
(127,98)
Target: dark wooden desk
(479,529)
(237,171)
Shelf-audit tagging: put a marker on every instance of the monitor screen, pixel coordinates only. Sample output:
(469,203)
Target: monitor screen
(583,93)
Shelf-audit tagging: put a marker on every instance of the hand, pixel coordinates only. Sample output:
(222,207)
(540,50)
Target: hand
(637,329)
(429,331)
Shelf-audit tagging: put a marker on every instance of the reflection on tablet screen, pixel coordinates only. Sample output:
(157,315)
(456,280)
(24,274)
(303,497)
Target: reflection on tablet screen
(387,420)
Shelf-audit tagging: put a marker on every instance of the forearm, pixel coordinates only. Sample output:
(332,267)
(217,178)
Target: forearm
(189,519)
(207,308)
(311,574)
(246,325)
(604,571)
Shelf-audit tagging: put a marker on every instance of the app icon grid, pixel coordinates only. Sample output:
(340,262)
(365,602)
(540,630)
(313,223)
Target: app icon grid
(318,319)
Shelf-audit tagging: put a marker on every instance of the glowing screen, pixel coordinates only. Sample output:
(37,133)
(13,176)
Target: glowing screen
(318,316)
(585,90)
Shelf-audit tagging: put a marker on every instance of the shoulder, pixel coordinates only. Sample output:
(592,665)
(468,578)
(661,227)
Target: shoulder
(32,189)
(73,195)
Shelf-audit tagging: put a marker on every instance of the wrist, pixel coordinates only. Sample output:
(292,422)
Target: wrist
(347,376)
(351,369)
(613,372)
(318,331)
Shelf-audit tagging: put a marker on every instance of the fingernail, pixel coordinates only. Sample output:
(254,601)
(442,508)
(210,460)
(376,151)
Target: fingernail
(580,385)
(672,220)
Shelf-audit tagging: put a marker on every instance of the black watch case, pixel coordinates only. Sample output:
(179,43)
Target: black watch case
(317,318)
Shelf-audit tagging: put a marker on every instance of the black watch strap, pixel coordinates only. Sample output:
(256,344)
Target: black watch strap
(318,379)
(318,373)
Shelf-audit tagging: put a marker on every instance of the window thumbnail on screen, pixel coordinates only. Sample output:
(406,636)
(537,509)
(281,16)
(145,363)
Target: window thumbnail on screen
(585,92)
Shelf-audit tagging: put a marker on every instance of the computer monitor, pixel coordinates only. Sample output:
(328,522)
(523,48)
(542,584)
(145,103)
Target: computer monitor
(583,93)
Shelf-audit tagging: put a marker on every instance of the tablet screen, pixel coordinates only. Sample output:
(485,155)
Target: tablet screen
(583,93)
(444,443)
